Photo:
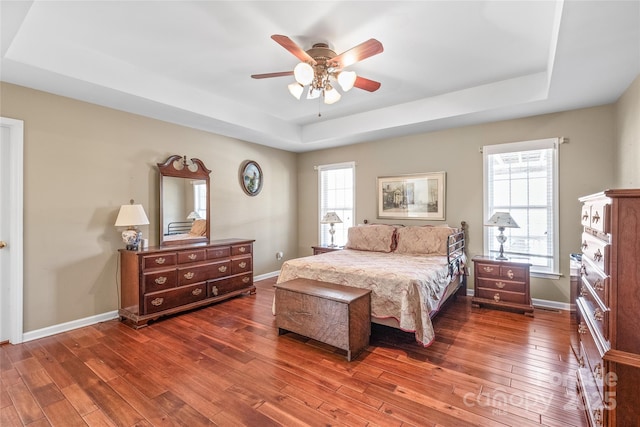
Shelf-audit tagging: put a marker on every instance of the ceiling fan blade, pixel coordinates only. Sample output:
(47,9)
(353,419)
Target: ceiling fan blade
(366,84)
(269,75)
(292,47)
(358,53)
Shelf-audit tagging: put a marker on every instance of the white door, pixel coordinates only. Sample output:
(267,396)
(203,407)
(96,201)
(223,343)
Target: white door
(11,237)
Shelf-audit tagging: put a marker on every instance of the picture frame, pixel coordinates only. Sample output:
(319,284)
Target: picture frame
(251,177)
(418,196)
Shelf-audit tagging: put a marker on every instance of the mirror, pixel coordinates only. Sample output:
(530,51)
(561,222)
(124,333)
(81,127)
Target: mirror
(184,201)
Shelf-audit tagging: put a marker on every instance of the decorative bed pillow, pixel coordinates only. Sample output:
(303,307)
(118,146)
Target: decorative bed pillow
(426,240)
(375,238)
(199,227)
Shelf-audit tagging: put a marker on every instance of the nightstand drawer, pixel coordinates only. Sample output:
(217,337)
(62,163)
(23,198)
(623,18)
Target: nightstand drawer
(502,296)
(501,285)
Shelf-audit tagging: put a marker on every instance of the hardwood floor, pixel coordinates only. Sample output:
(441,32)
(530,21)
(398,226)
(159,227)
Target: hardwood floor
(226,365)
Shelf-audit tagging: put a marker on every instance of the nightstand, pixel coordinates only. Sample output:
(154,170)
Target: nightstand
(502,284)
(322,249)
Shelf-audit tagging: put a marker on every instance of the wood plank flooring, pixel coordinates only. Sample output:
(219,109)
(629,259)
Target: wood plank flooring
(226,365)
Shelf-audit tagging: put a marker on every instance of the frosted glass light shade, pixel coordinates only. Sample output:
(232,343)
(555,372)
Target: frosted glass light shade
(303,73)
(331,96)
(347,79)
(296,89)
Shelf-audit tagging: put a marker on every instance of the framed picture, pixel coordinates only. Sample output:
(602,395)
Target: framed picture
(419,196)
(251,177)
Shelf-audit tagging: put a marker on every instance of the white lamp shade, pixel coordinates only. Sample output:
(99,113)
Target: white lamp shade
(303,73)
(313,93)
(502,219)
(331,218)
(331,96)
(131,215)
(193,215)
(347,79)
(296,89)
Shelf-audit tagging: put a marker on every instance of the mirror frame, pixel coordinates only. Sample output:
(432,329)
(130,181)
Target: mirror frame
(179,167)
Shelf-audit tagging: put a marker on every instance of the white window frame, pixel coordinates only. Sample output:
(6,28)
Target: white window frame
(200,198)
(553,271)
(340,236)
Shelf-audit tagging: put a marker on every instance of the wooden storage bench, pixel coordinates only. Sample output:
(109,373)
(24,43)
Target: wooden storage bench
(333,314)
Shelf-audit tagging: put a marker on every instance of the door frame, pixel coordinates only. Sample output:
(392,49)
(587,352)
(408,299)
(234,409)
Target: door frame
(16,236)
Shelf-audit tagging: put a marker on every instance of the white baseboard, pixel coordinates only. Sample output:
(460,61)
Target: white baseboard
(543,303)
(92,320)
(64,327)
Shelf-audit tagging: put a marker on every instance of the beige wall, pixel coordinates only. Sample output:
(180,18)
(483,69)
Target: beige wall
(82,161)
(586,166)
(628,137)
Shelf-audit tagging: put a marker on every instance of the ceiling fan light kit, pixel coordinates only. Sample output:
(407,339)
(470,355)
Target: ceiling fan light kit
(320,66)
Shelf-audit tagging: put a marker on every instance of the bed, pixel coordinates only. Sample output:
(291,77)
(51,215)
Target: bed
(181,230)
(411,272)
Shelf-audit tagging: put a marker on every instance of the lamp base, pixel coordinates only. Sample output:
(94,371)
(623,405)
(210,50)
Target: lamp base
(132,237)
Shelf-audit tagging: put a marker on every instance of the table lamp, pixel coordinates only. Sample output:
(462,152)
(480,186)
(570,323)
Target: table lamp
(502,220)
(131,216)
(331,218)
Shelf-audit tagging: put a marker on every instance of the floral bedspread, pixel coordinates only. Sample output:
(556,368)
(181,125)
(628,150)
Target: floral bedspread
(405,287)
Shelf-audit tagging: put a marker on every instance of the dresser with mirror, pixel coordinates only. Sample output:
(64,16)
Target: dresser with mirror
(187,270)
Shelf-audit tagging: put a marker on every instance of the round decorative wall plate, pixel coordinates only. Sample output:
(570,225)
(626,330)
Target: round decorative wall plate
(251,177)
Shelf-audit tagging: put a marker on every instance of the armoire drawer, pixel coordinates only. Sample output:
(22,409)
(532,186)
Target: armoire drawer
(596,251)
(594,278)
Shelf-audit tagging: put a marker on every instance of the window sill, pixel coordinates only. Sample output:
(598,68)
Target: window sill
(541,275)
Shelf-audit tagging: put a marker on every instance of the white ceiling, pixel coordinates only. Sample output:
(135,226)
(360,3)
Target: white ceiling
(445,63)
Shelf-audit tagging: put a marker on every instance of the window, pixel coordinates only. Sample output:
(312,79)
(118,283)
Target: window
(200,198)
(336,192)
(522,178)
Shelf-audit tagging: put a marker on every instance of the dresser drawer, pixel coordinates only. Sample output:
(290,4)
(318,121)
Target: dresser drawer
(592,403)
(159,260)
(501,285)
(591,352)
(202,272)
(159,280)
(186,257)
(487,270)
(594,278)
(502,296)
(176,297)
(230,284)
(241,265)
(241,249)
(219,252)
(594,311)
(597,251)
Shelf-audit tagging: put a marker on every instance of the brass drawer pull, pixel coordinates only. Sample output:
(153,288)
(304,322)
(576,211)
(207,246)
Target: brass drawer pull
(160,260)
(242,264)
(196,292)
(222,268)
(598,255)
(189,275)
(584,245)
(597,371)
(595,218)
(246,280)
(510,274)
(500,285)
(581,361)
(157,302)
(214,290)
(598,314)
(585,216)
(597,416)
(496,297)
(582,328)
(192,256)
(242,249)
(598,286)
(583,270)
(487,269)
(583,291)
(161,280)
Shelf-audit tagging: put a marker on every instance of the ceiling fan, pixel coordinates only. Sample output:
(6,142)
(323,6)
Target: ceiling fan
(321,67)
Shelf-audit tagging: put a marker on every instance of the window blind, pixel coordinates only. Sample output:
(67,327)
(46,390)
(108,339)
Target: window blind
(336,191)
